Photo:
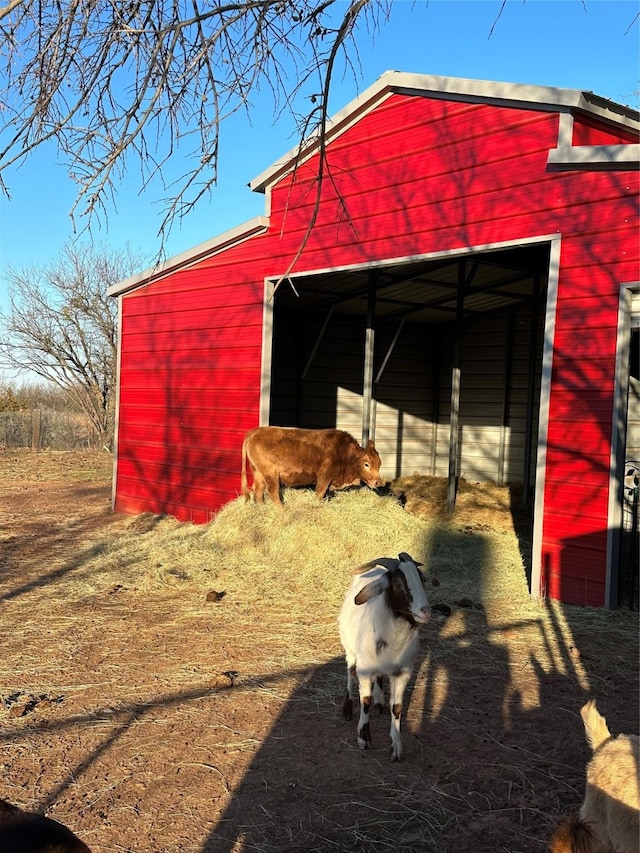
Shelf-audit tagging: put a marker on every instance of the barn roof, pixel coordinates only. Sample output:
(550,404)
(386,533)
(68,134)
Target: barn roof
(567,102)
(514,95)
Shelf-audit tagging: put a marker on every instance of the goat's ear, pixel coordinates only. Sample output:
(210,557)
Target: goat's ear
(385,562)
(388,563)
(371,590)
(407,558)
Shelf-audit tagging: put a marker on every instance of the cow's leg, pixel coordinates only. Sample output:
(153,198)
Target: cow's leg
(364,732)
(258,486)
(398,683)
(273,489)
(323,482)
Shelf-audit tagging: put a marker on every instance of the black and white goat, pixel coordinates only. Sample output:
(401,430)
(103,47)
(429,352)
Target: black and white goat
(379,620)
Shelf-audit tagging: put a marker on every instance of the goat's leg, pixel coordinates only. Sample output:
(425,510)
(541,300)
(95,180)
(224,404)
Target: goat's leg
(347,705)
(364,732)
(398,683)
(378,694)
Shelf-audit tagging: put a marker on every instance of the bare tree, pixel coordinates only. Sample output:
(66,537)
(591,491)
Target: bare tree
(110,81)
(62,326)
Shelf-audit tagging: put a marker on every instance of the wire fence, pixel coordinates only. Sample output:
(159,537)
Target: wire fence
(47,429)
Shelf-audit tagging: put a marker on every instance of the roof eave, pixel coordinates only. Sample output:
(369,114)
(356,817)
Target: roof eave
(224,241)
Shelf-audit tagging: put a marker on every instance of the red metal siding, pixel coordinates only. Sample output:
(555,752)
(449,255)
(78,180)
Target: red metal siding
(189,390)
(415,175)
(587,130)
(581,404)
(425,185)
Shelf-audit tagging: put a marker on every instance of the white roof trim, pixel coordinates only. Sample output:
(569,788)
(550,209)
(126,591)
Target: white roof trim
(423,256)
(232,237)
(518,95)
(605,157)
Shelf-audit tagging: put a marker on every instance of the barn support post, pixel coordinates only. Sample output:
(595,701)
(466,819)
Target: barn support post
(452,484)
(435,390)
(531,374)
(377,379)
(506,385)
(369,347)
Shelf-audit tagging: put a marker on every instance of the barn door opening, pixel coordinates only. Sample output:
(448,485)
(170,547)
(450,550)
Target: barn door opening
(324,371)
(628,583)
(439,359)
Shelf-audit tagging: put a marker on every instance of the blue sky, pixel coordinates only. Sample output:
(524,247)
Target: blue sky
(574,44)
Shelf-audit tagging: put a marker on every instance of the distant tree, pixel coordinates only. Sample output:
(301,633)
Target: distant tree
(111,81)
(62,326)
(9,401)
(36,394)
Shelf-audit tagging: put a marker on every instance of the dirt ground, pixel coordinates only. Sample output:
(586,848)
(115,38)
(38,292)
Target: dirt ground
(157,723)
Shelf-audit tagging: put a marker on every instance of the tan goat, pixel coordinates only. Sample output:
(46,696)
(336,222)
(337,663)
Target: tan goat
(609,819)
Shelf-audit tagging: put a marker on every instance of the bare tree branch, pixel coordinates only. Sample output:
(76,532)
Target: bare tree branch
(111,82)
(344,30)
(62,326)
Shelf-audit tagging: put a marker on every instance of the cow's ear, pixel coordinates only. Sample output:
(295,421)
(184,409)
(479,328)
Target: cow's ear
(371,445)
(371,590)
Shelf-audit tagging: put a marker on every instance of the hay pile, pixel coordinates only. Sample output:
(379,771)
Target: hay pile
(270,557)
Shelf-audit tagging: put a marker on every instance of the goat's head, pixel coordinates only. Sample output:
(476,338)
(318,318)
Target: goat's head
(403,584)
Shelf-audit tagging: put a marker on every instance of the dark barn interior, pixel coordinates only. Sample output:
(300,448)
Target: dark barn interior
(439,360)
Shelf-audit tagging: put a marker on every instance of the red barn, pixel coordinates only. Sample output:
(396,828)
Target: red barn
(468,295)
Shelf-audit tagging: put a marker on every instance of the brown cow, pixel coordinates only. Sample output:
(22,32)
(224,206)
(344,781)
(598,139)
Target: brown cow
(328,458)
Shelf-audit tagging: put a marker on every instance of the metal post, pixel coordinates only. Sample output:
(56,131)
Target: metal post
(369,346)
(435,408)
(533,346)
(506,395)
(452,484)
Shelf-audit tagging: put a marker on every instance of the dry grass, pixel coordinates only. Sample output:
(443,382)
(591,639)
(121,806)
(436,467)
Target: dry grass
(140,744)
(68,466)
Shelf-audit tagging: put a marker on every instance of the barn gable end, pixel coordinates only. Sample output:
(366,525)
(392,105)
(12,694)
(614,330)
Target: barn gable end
(497,216)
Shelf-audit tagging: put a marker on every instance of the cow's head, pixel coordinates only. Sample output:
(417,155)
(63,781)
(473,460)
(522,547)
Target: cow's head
(370,466)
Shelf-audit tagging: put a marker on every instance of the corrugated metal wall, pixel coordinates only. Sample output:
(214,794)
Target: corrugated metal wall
(413,396)
(189,389)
